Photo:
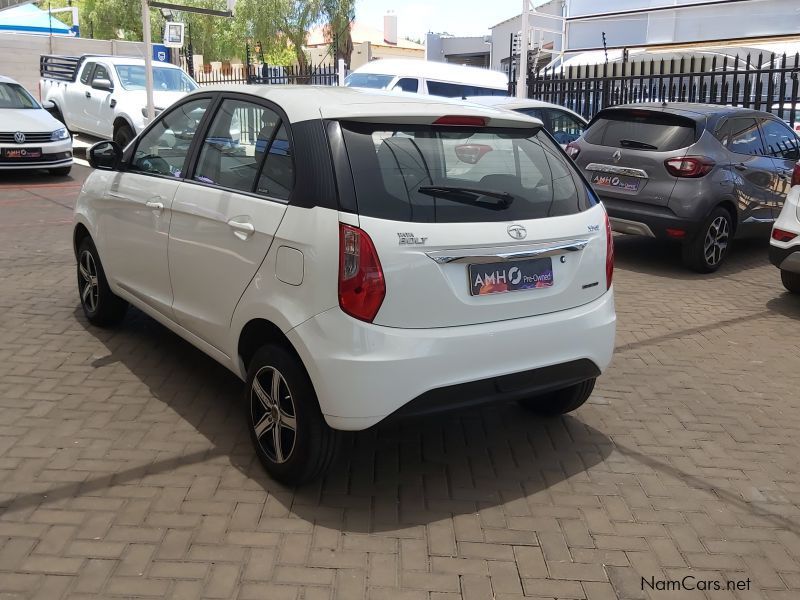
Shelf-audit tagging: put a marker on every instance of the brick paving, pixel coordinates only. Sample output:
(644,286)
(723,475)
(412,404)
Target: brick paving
(125,470)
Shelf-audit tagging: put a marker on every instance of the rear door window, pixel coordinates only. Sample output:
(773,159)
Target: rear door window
(87,73)
(744,137)
(563,126)
(431,174)
(641,130)
(407,84)
(781,142)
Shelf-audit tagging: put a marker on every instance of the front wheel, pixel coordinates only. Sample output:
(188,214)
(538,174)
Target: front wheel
(705,252)
(290,435)
(561,401)
(100,305)
(791,281)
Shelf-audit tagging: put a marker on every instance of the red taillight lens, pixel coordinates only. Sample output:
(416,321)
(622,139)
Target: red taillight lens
(796,174)
(466,120)
(689,166)
(361,284)
(609,254)
(783,236)
(572,150)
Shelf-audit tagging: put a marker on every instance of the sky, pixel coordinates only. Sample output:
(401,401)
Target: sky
(459,17)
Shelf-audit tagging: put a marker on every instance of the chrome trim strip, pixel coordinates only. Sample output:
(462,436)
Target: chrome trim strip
(630,227)
(752,219)
(507,253)
(629,171)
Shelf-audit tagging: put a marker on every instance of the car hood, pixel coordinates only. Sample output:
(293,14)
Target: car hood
(28,120)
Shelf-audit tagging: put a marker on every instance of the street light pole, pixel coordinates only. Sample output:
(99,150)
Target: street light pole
(148,59)
(522,78)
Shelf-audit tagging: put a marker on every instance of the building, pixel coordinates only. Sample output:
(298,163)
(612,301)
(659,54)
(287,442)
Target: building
(369,43)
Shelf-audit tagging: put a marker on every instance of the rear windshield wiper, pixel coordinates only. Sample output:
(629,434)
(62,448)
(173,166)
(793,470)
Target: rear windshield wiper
(637,144)
(468,195)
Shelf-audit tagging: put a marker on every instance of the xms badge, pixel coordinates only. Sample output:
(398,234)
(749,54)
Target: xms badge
(409,239)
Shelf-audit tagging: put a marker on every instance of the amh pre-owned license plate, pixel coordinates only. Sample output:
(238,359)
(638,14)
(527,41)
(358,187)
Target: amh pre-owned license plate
(500,277)
(630,184)
(22,153)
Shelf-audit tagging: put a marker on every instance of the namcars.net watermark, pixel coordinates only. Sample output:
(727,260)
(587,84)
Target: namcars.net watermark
(690,582)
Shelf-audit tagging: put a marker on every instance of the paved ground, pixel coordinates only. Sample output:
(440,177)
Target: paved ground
(125,469)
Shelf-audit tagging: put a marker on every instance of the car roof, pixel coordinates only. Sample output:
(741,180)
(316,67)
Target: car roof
(307,102)
(512,103)
(4,79)
(429,69)
(125,60)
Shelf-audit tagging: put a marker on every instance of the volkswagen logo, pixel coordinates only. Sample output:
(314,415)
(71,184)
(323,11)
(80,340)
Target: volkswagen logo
(518,232)
(19,137)
(616,156)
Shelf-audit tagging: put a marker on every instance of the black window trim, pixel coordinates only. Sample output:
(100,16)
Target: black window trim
(194,152)
(127,160)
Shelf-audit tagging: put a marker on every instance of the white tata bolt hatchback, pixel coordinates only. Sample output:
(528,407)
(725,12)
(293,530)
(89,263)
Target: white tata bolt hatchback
(354,255)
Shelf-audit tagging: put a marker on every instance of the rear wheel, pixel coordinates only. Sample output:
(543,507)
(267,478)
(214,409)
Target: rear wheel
(290,435)
(61,171)
(123,135)
(561,401)
(100,305)
(791,281)
(705,252)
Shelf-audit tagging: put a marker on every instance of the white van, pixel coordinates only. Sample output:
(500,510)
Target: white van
(428,77)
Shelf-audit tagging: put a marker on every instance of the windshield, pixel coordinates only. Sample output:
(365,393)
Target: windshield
(368,80)
(429,174)
(13,95)
(164,79)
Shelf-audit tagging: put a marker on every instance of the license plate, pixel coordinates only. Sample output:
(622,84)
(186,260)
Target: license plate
(22,153)
(630,184)
(501,277)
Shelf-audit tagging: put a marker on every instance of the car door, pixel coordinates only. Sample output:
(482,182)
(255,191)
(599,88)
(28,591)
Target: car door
(224,217)
(134,216)
(753,170)
(784,148)
(101,104)
(78,98)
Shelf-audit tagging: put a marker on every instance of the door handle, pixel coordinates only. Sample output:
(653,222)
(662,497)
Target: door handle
(88,94)
(154,205)
(242,230)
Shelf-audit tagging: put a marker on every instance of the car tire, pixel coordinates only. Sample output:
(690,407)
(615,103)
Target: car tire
(123,135)
(559,402)
(61,171)
(290,436)
(791,281)
(100,305)
(705,252)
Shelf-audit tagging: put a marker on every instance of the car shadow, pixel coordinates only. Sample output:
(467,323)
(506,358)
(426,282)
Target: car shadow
(32,177)
(392,476)
(663,258)
(787,305)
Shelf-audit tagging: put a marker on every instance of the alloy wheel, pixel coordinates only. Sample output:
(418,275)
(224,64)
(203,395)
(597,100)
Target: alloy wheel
(89,289)
(716,242)
(273,415)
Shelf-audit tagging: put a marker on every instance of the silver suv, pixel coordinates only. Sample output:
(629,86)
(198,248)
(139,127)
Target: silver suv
(694,173)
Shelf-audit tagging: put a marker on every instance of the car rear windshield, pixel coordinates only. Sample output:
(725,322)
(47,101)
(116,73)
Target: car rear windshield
(641,130)
(461,90)
(430,174)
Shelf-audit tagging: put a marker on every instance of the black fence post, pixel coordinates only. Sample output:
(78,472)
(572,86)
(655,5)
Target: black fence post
(248,76)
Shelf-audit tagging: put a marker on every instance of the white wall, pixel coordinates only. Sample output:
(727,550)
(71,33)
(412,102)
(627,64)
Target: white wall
(20,53)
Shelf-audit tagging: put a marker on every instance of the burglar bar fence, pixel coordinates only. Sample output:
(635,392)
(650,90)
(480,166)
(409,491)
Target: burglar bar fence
(768,83)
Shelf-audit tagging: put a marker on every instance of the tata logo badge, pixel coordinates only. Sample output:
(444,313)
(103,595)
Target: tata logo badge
(518,232)
(616,156)
(19,137)
(409,239)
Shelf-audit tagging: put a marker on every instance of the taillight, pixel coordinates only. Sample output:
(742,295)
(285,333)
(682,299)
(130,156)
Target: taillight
(609,254)
(361,284)
(783,236)
(572,150)
(689,166)
(796,174)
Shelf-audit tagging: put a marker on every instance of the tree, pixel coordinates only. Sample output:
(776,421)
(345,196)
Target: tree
(339,15)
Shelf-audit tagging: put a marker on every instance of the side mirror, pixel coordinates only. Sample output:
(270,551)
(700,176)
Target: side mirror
(472,153)
(48,105)
(103,84)
(106,156)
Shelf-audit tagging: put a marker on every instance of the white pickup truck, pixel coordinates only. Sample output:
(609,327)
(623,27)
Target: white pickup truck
(105,96)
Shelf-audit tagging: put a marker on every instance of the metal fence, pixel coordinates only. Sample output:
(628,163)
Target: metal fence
(765,83)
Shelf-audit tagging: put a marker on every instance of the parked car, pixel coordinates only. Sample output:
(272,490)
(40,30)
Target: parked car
(428,77)
(105,96)
(563,124)
(784,248)
(360,259)
(30,138)
(694,173)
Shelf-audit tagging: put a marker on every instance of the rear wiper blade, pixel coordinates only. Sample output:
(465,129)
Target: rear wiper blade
(637,144)
(469,195)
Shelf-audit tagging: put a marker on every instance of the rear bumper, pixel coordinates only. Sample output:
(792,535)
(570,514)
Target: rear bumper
(651,221)
(786,259)
(363,373)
